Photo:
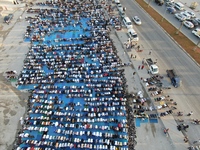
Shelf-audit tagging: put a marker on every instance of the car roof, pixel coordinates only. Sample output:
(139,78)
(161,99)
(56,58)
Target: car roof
(131,30)
(179,3)
(188,11)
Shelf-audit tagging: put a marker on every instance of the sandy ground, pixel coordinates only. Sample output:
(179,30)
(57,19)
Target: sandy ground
(12,54)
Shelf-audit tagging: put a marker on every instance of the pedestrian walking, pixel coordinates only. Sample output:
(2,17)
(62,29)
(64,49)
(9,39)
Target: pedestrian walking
(142,67)
(138,67)
(134,73)
(135,56)
(149,52)
(143,61)
(166,130)
(131,55)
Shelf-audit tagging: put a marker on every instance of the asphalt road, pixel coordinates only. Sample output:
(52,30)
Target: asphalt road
(174,21)
(169,56)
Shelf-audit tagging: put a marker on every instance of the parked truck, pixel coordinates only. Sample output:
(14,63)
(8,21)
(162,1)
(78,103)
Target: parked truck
(153,68)
(175,80)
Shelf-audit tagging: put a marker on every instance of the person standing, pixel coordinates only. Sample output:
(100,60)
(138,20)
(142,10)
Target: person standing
(131,55)
(138,47)
(138,67)
(149,52)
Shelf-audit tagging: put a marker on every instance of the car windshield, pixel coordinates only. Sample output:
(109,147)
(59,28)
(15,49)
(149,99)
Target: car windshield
(137,19)
(134,35)
(129,23)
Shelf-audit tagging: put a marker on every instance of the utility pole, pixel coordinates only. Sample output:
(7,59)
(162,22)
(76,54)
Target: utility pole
(164,15)
(149,3)
(177,32)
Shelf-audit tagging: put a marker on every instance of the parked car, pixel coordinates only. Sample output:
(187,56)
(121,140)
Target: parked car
(196,32)
(197,19)
(171,10)
(159,2)
(117,2)
(122,13)
(170,4)
(186,15)
(133,35)
(191,13)
(194,22)
(137,20)
(180,17)
(119,6)
(179,6)
(188,24)
(169,1)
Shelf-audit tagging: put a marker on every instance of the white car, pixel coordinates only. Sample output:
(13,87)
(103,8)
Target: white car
(170,4)
(137,20)
(198,20)
(133,35)
(117,2)
(184,13)
(196,32)
(119,6)
(191,13)
(188,24)
(180,17)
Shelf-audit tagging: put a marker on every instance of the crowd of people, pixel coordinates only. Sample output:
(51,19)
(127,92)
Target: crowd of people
(76,81)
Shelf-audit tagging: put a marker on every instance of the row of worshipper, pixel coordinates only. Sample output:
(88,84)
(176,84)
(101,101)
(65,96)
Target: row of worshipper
(64,18)
(67,121)
(66,74)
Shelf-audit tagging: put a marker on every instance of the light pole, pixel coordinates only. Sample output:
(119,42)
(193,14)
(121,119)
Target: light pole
(164,15)
(177,32)
(194,49)
(149,3)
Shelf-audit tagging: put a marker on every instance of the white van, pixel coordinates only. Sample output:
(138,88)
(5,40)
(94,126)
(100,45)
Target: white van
(133,35)
(179,6)
(127,22)
(122,13)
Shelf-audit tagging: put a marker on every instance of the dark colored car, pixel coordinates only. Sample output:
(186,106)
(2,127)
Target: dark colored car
(171,10)
(159,2)
(194,22)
